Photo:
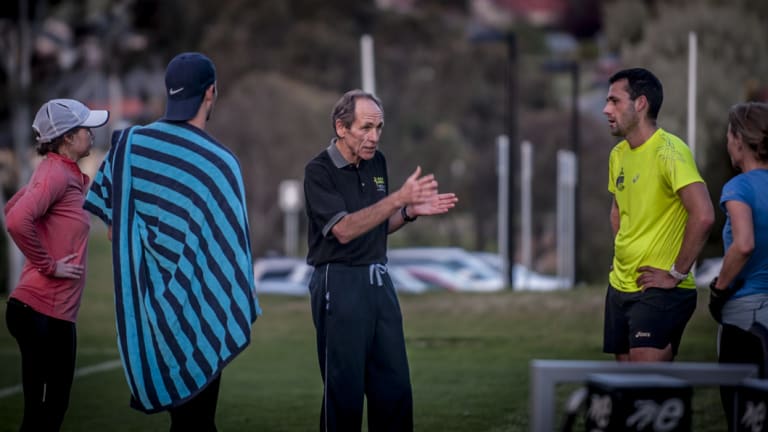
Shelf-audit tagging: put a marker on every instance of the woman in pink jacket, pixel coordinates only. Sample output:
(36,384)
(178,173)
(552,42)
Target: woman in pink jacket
(47,222)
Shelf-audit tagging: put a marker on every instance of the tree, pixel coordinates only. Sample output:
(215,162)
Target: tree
(15,41)
(733,40)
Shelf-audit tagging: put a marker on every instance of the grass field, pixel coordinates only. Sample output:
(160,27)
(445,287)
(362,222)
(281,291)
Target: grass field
(469,357)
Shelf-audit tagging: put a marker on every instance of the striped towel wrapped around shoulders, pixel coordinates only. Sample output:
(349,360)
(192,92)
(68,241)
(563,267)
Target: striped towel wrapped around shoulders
(183,273)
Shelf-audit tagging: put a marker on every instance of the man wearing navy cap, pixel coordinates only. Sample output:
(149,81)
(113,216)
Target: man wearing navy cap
(174,201)
(188,79)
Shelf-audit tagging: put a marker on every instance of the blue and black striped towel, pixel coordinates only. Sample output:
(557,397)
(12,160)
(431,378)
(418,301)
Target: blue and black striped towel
(183,273)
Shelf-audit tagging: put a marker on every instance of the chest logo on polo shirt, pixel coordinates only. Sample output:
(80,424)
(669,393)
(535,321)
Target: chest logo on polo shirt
(380,185)
(620,180)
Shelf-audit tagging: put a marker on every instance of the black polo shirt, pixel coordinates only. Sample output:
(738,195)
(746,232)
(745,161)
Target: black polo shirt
(334,188)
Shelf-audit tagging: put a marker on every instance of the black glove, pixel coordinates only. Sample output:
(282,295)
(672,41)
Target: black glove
(717,299)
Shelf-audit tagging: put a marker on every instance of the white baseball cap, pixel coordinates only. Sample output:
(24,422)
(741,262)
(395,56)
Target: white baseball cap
(58,116)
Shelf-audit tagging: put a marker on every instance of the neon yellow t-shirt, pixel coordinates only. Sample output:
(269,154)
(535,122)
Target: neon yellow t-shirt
(644,181)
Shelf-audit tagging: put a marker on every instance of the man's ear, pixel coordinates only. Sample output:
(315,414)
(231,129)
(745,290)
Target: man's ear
(641,103)
(210,92)
(340,128)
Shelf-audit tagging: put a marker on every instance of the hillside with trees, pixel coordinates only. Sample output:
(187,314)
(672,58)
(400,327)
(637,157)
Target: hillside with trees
(282,64)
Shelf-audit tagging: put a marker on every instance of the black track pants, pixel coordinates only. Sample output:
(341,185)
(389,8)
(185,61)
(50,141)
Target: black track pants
(361,349)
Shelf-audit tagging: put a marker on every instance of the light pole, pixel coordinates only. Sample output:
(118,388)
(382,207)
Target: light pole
(512,97)
(572,68)
(509,37)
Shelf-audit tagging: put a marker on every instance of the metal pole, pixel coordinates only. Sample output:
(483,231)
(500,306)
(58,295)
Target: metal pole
(367,64)
(575,147)
(692,54)
(566,182)
(291,233)
(526,204)
(513,147)
(502,146)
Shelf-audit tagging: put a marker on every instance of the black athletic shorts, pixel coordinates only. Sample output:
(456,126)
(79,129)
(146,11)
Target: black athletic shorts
(653,318)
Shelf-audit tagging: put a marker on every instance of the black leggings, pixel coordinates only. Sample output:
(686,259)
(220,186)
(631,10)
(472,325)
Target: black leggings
(738,346)
(47,348)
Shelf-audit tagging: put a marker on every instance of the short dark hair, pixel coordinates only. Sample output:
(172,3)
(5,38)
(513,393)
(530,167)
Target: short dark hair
(52,146)
(344,109)
(749,120)
(641,82)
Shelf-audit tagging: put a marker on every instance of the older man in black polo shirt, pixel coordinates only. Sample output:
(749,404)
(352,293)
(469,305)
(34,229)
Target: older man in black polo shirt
(360,341)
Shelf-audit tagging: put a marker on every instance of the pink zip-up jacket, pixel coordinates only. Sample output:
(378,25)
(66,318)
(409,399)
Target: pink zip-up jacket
(47,222)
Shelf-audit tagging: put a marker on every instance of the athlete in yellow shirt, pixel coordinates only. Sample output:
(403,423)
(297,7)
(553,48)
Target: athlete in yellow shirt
(661,216)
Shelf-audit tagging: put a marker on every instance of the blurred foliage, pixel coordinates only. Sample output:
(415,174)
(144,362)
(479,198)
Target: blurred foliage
(732,43)
(444,99)
(282,64)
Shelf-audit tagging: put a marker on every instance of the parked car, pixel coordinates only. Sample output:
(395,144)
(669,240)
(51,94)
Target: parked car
(524,278)
(404,281)
(290,276)
(527,280)
(282,275)
(706,270)
(449,268)
(434,277)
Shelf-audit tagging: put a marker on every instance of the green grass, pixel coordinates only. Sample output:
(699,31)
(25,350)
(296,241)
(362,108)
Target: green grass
(469,356)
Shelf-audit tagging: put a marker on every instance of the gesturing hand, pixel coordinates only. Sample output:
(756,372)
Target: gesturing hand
(66,270)
(436,204)
(418,189)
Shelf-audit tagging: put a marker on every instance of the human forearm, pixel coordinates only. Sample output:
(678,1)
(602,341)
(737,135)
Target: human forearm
(396,221)
(742,244)
(418,191)
(695,199)
(701,217)
(360,222)
(21,228)
(733,262)
(693,241)
(435,204)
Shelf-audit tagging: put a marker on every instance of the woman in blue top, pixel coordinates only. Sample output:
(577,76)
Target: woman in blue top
(739,296)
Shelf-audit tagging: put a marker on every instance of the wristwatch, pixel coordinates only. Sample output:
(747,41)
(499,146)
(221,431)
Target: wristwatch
(677,275)
(405,216)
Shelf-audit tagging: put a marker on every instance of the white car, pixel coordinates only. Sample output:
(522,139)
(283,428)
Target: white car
(290,276)
(525,279)
(282,275)
(706,270)
(404,281)
(450,268)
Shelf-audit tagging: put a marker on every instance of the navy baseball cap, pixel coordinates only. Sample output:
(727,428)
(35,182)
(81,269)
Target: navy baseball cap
(187,77)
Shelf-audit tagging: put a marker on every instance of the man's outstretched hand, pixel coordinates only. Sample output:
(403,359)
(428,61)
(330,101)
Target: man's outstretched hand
(436,204)
(417,188)
(419,193)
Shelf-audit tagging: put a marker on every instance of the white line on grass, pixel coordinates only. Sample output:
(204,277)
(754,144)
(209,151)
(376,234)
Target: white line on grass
(83,371)
(14,352)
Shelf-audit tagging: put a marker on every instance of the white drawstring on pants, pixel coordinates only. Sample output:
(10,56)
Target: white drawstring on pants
(375,271)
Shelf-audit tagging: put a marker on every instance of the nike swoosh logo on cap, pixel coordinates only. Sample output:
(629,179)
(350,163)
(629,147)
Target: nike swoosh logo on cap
(174,91)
